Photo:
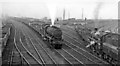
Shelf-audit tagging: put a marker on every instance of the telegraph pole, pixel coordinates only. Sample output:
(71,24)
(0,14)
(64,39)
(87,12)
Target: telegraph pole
(68,15)
(64,14)
(82,13)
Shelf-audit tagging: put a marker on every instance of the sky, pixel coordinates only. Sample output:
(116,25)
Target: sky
(92,9)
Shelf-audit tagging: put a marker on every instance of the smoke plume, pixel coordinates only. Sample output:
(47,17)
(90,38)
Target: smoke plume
(97,10)
(96,13)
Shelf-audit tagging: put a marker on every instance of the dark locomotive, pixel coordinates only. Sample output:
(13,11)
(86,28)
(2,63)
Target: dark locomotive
(53,35)
(110,47)
(105,45)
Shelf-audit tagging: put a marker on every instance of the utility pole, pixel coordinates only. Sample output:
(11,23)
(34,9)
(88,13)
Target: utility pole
(82,13)
(64,14)
(68,15)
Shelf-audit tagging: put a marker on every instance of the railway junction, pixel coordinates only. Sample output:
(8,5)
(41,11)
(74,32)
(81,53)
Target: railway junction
(25,46)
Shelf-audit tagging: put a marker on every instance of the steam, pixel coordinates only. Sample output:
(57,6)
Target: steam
(52,11)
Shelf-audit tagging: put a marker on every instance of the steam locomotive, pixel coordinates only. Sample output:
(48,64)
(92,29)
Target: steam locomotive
(110,47)
(106,45)
(53,35)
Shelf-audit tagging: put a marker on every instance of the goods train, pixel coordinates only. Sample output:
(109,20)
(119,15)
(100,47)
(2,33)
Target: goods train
(53,35)
(106,46)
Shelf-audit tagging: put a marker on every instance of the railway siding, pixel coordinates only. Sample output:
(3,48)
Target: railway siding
(36,28)
(33,50)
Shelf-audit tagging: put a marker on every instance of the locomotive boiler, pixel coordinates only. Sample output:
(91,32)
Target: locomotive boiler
(53,35)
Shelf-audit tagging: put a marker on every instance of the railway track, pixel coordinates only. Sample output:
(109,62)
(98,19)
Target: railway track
(66,56)
(78,40)
(5,36)
(23,51)
(77,44)
(8,47)
(71,54)
(44,55)
(49,53)
(69,58)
